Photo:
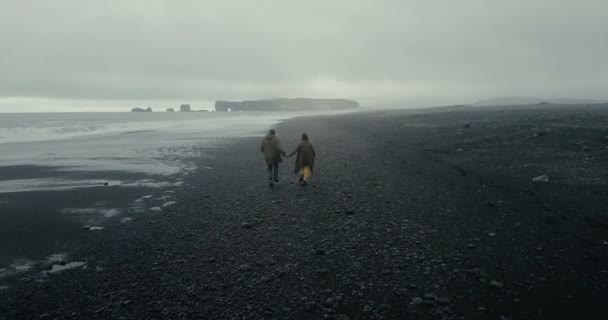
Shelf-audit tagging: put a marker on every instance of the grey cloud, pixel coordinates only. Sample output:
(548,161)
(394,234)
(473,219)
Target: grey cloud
(376,51)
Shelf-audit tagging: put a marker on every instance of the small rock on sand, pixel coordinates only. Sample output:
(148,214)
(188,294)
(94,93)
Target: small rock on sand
(496,284)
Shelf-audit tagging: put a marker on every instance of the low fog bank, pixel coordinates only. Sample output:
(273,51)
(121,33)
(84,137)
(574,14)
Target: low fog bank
(43,105)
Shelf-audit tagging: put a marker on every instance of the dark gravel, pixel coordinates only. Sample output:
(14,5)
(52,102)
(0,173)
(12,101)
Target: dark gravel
(418,216)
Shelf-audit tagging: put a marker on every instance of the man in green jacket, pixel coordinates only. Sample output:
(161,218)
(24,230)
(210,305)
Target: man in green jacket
(271,147)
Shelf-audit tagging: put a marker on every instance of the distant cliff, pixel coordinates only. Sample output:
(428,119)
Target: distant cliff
(148,109)
(299,104)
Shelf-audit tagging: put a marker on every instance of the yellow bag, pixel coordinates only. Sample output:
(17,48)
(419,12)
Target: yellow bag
(306,173)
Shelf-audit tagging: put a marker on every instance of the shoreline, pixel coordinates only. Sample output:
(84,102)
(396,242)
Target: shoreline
(424,215)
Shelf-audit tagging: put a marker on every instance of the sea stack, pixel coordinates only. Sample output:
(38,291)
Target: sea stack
(184,108)
(148,109)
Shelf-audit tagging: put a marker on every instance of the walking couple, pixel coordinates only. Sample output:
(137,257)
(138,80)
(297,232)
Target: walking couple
(273,153)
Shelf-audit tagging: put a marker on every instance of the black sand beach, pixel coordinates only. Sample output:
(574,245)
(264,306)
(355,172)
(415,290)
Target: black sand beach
(410,214)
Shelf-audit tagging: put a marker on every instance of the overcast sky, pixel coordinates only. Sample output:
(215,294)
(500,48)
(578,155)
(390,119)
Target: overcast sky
(116,54)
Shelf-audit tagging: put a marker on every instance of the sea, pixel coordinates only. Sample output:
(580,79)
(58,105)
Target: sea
(149,143)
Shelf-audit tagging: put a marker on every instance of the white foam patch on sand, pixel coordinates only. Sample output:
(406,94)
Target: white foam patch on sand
(44,184)
(169,203)
(57,257)
(156,209)
(22,265)
(149,183)
(106,212)
(55,184)
(67,266)
(137,209)
(142,198)
(88,227)
(110,212)
(127,219)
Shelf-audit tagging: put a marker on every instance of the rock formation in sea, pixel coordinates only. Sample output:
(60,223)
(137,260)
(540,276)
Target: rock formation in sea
(170,110)
(298,104)
(184,108)
(148,109)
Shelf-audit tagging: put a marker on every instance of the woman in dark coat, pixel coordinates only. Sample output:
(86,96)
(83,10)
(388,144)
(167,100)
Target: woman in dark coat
(305,159)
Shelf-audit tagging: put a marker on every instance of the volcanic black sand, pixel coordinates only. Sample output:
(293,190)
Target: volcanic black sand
(410,215)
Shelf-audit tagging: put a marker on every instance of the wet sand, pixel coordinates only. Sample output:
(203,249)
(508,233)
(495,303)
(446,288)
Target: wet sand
(420,215)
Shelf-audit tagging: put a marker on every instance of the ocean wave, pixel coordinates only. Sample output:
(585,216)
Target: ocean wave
(20,134)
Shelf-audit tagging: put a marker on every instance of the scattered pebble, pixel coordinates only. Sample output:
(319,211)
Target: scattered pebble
(496,284)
